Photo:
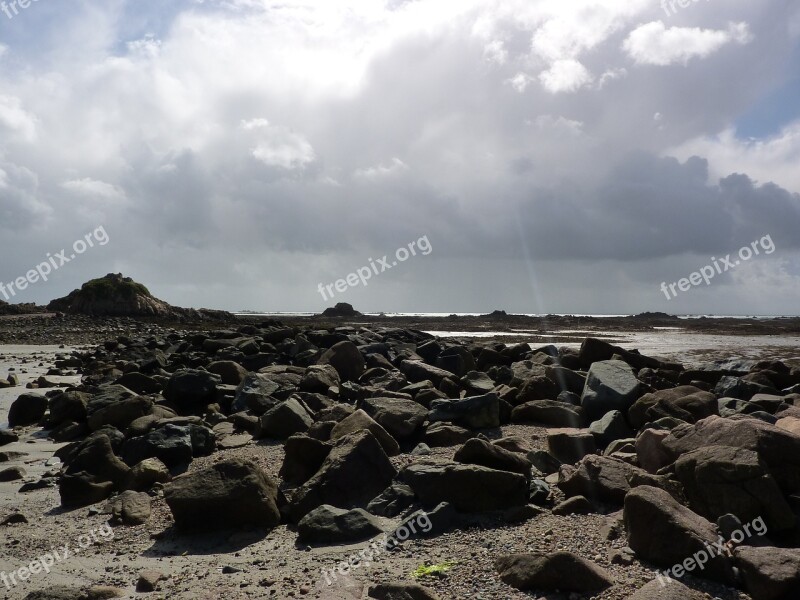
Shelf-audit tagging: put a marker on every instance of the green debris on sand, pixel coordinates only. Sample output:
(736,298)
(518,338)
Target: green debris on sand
(424,571)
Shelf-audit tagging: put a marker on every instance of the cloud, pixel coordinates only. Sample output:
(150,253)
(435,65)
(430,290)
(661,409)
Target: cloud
(520,82)
(773,158)
(278,146)
(565,76)
(91,187)
(611,75)
(496,52)
(15,121)
(240,152)
(654,44)
(21,207)
(395,167)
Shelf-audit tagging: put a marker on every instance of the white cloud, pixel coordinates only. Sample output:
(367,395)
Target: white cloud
(16,120)
(382,171)
(88,187)
(611,75)
(558,124)
(565,76)
(278,146)
(770,159)
(569,29)
(520,82)
(147,47)
(654,44)
(496,52)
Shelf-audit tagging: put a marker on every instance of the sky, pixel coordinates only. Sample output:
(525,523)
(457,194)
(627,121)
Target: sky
(548,156)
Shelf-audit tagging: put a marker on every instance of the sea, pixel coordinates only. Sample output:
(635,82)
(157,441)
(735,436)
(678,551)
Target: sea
(693,349)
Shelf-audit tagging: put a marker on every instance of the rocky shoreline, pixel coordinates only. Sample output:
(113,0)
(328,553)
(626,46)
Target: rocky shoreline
(338,458)
(44,327)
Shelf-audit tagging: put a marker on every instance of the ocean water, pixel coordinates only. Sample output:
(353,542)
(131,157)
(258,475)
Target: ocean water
(664,342)
(246,313)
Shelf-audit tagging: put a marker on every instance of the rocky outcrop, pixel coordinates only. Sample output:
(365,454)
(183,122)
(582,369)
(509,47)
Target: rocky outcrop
(118,296)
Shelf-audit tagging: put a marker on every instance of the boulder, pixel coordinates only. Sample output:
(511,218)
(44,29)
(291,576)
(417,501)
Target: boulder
(231,373)
(650,450)
(192,390)
(550,413)
(401,418)
(544,461)
(392,501)
(148,581)
(480,452)
(319,379)
(7,437)
(740,388)
(359,421)
(129,508)
(566,379)
(232,493)
(778,448)
(354,472)
(400,591)
(255,393)
(562,571)
(96,457)
(139,383)
(456,359)
(570,445)
(468,488)
(719,480)
(68,406)
(145,474)
(118,414)
(27,409)
(477,412)
(666,590)
(345,357)
(599,478)
(330,525)
(594,350)
(285,419)
(12,474)
(769,573)
(171,444)
(539,387)
(523,370)
(610,428)
(686,402)
(69,431)
(610,385)
(443,434)
(515,443)
(303,456)
(477,383)
(666,533)
(577,505)
(790,424)
(417,371)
